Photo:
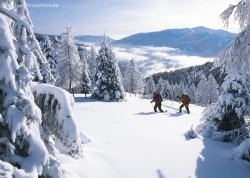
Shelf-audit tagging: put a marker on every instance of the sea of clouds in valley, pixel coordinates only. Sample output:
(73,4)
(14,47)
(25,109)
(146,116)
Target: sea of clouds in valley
(152,60)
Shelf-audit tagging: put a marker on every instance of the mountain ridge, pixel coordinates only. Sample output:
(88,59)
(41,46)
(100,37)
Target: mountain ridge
(197,41)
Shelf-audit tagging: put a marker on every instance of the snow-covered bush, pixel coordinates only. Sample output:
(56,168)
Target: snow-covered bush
(57,116)
(243,150)
(191,134)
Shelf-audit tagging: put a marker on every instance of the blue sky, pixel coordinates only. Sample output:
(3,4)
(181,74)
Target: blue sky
(120,18)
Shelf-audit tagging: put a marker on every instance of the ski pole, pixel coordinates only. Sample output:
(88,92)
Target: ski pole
(170,104)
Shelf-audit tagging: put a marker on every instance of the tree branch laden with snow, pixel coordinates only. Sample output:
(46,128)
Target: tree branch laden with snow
(57,115)
(23,152)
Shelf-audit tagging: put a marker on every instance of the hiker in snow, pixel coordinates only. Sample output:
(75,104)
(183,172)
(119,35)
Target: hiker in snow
(185,101)
(157,98)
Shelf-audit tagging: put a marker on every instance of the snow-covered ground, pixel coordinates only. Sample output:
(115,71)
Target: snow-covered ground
(129,140)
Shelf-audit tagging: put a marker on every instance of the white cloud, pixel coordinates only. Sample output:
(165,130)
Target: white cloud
(152,60)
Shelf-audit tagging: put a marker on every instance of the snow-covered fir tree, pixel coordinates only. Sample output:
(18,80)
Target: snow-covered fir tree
(69,64)
(191,91)
(224,120)
(213,89)
(229,112)
(85,86)
(83,53)
(107,81)
(91,60)
(149,87)
(132,79)
(178,90)
(202,96)
(23,149)
(49,53)
(165,89)
(160,85)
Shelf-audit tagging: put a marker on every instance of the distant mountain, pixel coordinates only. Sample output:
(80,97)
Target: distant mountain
(198,41)
(92,39)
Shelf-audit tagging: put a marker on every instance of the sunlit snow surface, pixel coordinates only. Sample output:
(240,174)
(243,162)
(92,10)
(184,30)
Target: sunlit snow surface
(129,140)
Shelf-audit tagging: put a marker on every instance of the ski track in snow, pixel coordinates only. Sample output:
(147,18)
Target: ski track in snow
(129,140)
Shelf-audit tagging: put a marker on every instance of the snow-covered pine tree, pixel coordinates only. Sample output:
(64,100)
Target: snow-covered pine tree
(23,152)
(178,90)
(213,89)
(69,64)
(224,120)
(107,81)
(49,53)
(85,86)
(229,112)
(159,86)
(132,79)
(201,95)
(166,91)
(191,91)
(91,60)
(149,87)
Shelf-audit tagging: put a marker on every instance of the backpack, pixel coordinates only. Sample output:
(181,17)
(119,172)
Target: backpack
(187,98)
(161,99)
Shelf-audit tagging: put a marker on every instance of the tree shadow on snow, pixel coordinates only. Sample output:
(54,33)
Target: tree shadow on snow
(215,161)
(160,174)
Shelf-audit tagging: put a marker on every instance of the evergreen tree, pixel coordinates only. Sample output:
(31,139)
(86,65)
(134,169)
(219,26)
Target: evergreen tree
(160,85)
(132,79)
(224,120)
(202,96)
(178,89)
(191,91)
(91,61)
(69,64)
(228,113)
(50,54)
(23,150)
(150,87)
(236,56)
(213,89)
(85,86)
(107,81)
(166,91)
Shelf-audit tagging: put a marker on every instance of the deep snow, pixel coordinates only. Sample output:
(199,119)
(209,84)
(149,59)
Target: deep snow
(129,140)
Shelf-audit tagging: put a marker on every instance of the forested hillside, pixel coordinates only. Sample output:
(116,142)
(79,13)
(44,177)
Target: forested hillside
(190,75)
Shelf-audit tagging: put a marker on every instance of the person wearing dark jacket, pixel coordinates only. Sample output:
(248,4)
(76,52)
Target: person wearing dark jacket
(185,102)
(157,98)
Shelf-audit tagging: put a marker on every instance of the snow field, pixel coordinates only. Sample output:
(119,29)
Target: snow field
(129,140)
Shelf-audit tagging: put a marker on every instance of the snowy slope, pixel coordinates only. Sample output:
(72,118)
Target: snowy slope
(128,140)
